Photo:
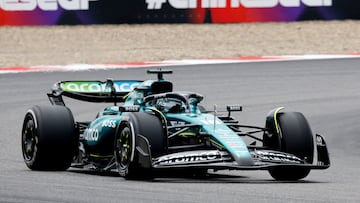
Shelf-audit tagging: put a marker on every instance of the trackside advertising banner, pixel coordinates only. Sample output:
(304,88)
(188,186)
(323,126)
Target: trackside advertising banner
(73,12)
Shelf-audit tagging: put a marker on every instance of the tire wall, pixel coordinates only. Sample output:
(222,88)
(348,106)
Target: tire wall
(85,12)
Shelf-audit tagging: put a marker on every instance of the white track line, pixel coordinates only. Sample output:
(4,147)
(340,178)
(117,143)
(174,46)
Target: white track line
(246,59)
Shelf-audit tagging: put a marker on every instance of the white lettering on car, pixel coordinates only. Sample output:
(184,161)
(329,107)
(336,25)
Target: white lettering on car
(91,134)
(96,87)
(194,157)
(109,123)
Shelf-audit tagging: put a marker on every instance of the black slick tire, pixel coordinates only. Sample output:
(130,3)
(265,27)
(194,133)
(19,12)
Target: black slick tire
(49,138)
(295,138)
(146,125)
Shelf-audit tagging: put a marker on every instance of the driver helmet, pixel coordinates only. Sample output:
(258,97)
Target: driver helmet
(170,105)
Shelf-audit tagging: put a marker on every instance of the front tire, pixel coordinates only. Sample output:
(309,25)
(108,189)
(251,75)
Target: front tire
(48,138)
(150,127)
(124,150)
(295,138)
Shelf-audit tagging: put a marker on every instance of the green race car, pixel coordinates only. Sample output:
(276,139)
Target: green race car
(151,128)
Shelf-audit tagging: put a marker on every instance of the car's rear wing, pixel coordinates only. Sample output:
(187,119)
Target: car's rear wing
(92,91)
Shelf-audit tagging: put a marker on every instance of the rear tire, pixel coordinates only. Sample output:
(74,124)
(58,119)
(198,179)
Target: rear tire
(297,139)
(49,138)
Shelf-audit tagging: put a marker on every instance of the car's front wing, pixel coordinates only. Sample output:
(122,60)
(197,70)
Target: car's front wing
(262,159)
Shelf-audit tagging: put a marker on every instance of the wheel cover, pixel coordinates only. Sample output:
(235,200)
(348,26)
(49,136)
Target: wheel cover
(123,148)
(29,139)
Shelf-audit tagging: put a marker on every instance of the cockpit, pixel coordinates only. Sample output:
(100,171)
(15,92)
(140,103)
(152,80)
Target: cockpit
(170,105)
(174,102)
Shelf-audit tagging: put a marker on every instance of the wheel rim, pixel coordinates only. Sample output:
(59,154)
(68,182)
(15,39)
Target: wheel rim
(123,148)
(29,138)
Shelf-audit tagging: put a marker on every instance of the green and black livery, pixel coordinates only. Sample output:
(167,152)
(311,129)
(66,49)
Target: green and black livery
(150,128)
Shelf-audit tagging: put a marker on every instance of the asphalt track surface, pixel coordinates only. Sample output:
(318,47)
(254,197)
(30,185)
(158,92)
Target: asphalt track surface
(326,91)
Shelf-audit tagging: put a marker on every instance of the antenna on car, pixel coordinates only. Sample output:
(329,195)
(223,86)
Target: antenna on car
(109,84)
(159,72)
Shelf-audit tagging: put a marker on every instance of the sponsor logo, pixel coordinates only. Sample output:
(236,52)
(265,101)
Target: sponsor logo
(97,86)
(45,5)
(91,134)
(276,157)
(191,4)
(190,157)
(177,123)
(234,108)
(109,123)
(129,108)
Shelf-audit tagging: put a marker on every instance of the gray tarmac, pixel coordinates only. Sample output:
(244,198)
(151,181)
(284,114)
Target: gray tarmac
(327,92)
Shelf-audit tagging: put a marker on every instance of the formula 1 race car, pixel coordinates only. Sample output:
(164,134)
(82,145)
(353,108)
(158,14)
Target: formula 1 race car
(157,129)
